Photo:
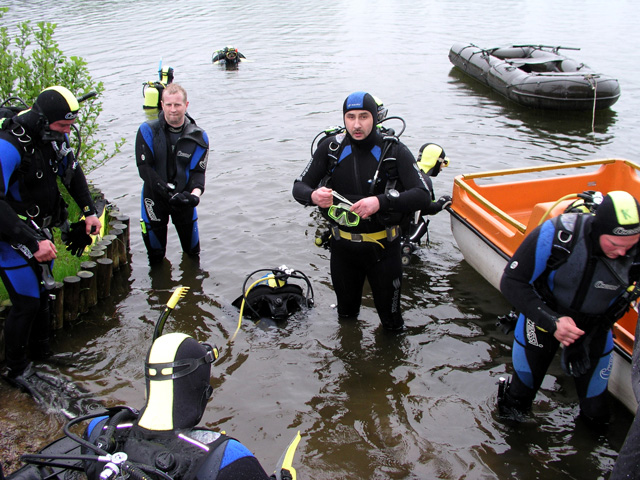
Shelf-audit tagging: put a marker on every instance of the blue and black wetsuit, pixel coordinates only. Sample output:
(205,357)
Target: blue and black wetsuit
(582,287)
(170,161)
(30,205)
(354,260)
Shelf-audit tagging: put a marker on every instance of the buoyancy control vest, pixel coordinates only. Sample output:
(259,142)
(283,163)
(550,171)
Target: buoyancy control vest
(190,139)
(33,187)
(182,455)
(339,148)
(591,289)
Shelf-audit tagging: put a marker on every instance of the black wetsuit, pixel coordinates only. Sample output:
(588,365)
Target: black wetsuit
(582,288)
(29,191)
(354,261)
(168,156)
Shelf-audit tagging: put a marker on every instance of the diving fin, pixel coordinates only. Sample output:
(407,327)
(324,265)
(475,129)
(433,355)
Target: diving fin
(284,468)
(54,393)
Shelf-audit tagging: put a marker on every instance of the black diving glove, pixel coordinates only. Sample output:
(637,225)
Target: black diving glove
(77,239)
(184,199)
(575,358)
(163,189)
(443,202)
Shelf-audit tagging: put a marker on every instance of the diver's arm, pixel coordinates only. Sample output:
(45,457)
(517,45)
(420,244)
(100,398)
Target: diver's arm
(12,228)
(416,195)
(145,162)
(309,181)
(517,282)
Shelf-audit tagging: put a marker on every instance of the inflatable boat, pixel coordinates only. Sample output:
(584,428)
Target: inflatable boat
(537,76)
(493,211)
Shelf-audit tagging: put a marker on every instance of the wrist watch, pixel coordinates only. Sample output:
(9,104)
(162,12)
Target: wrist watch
(393,193)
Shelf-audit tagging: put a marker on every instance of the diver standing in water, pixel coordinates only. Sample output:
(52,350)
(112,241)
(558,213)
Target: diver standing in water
(572,278)
(164,437)
(365,185)
(34,154)
(171,155)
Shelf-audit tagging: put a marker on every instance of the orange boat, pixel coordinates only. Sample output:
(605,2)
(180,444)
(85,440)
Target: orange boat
(492,212)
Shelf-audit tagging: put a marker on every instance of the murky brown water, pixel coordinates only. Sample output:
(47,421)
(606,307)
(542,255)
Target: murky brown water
(419,405)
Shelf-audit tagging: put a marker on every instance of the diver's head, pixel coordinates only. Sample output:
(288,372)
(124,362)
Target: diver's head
(360,112)
(617,223)
(231,53)
(51,115)
(177,372)
(59,106)
(166,75)
(431,158)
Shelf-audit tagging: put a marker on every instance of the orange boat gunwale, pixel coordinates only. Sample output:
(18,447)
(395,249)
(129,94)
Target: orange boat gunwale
(502,213)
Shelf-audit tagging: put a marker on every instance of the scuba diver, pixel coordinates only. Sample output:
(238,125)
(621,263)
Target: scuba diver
(571,279)
(152,91)
(171,155)
(164,435)
(229,56)
(35,155)
(431,159)
(162,441)
(365,183)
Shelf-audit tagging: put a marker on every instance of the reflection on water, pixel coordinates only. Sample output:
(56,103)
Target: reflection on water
(368,405)
(565,134)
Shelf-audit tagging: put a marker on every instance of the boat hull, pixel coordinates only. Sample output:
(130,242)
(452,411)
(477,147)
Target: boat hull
(581,89)
(489,221)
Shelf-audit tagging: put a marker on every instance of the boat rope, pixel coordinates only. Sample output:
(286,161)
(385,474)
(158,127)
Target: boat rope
(594,84)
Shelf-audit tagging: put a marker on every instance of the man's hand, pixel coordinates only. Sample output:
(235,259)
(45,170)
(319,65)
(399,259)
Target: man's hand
(566,331)
(366,207)
(46,251)
(322,197)
(92,225)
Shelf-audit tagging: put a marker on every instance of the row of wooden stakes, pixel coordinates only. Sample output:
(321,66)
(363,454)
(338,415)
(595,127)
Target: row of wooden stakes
(76,294)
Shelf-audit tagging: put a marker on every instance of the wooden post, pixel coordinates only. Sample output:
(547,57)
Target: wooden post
(92,294)
(97,253)
(110,241)
(57,306)
(120,250)
(125,220)
(86,278)
(105,270)
(71,297)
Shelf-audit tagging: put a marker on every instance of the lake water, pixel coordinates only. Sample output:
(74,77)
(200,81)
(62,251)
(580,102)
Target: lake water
(368,405)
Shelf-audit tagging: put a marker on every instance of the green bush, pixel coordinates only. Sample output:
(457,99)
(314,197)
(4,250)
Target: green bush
(33,61)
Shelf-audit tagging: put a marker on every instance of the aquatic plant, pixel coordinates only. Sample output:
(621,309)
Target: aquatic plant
(31,61)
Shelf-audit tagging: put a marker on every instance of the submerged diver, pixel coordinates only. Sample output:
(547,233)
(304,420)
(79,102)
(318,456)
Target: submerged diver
(571,280)
(229,56)
(431,159)
(375,183)
(164,436)
(34,155)
(171,155)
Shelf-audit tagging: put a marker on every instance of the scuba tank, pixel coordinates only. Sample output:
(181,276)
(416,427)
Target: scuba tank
(152,91)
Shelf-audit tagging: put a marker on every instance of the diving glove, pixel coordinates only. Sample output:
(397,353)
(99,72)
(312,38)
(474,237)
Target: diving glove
(184,199)
(163,189)
(575,358)
(77,239)
(444,201)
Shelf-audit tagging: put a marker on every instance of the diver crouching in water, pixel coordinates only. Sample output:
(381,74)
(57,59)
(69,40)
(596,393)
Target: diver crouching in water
(163,437)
